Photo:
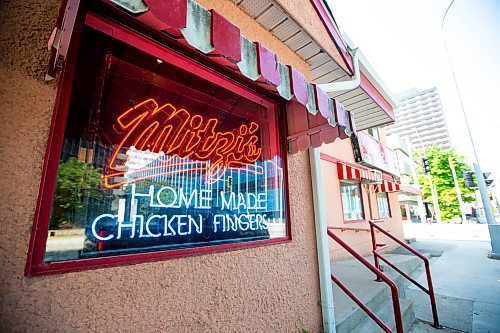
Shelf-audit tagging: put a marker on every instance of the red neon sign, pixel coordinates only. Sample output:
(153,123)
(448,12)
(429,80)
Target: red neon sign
(175,132)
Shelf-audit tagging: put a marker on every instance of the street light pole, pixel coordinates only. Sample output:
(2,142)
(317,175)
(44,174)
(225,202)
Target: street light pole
(477,169)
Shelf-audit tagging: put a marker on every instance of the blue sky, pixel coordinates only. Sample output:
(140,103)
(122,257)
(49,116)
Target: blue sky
(403,42)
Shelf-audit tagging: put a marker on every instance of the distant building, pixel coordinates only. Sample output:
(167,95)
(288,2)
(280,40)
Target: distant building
(410,195)
(420,112)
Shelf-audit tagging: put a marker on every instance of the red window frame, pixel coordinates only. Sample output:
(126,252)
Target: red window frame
(35,266)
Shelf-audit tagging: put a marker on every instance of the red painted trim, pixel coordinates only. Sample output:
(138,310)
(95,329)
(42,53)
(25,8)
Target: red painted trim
(330,158)
(132,259)
(173,13)
(225,37)
(35,265)
(375,95)
(334,34)
(36,247)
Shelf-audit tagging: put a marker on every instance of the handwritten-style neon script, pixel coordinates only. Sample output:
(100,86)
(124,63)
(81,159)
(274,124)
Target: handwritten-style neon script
(148,126)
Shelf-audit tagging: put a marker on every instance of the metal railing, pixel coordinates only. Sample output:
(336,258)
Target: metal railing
(394,289)
(377,256)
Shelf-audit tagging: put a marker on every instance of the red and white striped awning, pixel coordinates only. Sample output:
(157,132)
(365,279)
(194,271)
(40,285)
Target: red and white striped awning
(388,186)
(349,172)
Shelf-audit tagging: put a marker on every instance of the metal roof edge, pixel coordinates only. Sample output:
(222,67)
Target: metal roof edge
(371,74)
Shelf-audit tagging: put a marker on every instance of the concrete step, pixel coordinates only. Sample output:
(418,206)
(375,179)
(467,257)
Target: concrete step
(407,263)
(361,282)
(386,313)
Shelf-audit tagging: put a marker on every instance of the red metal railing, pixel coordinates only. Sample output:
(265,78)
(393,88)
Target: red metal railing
(394,289)
(376,256)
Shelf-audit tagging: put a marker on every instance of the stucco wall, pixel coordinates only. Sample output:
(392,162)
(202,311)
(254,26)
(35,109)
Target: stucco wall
(265,289)
(361,241)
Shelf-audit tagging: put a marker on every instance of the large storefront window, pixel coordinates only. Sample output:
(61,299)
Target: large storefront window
(156,157)
(351,201)
(383,205)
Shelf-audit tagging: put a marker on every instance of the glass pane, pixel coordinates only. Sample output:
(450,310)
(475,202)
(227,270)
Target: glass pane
(155,157)
(383,205)
(351,201)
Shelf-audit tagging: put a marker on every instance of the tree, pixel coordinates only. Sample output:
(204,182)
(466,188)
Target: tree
(77,193)
(442,178)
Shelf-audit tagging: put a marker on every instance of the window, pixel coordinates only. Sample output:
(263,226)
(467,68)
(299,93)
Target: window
(159,157)
(351,201)
(374,132)
(383,205)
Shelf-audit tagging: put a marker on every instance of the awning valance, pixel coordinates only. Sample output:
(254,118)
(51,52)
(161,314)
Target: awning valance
(350,172)
(388,186)
(211,33)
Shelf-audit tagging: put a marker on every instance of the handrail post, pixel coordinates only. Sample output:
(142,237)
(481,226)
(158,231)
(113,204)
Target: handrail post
(430,287)
(374,250)
(431,295)
(398,318)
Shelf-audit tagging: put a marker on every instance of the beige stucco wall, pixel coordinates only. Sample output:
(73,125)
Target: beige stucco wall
(361,241)
(265,289)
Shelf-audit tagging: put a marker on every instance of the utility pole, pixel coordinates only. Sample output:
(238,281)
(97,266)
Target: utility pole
(457,188)
(477,169)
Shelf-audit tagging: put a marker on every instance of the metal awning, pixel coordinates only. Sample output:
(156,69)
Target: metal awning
(350,172)
(367,102)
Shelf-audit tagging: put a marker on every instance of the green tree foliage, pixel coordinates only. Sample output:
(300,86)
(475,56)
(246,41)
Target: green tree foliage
(442,178)
(77,193)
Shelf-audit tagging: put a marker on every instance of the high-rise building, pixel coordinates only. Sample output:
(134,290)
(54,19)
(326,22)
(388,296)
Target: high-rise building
(420,117)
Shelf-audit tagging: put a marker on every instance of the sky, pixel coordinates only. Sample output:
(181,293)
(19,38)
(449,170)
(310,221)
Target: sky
(403,41)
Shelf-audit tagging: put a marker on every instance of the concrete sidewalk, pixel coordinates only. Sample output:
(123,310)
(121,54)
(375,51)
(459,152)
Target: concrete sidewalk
(466,281)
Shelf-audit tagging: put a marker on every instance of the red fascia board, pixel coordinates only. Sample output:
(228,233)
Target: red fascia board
(334,34)
(375,95)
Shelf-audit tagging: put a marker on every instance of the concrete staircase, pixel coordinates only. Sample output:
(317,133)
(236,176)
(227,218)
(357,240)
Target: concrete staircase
(349,317)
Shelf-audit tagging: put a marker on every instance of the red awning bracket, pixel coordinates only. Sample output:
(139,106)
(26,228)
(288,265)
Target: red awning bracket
(60,38)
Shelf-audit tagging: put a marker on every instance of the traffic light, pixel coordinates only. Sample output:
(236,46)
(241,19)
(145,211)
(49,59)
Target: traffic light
(486,180)
(469,180)
(425,163)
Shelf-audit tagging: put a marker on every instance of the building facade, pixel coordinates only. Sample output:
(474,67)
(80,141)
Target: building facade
(420,117)
(160,174)
(410,196)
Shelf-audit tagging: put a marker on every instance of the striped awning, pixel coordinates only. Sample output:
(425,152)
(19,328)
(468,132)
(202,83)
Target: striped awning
(388,186)
(350,172)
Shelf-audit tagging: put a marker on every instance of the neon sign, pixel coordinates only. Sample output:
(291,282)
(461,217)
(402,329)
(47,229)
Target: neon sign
(175,132)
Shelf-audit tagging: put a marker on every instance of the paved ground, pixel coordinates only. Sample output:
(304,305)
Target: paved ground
(466,281)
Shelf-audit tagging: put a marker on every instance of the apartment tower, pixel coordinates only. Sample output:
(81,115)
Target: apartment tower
(420,117)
